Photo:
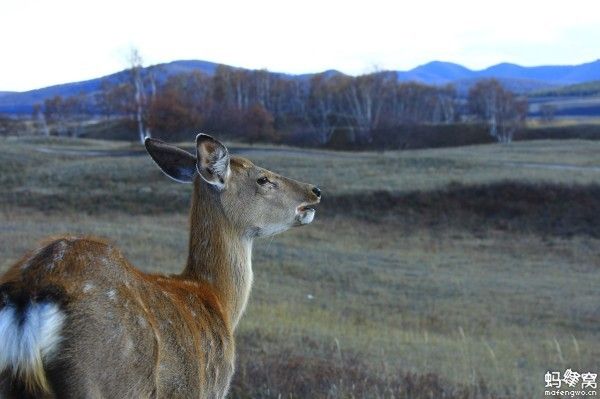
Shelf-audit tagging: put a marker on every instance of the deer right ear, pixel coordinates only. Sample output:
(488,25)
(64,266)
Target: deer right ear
(176,163)
(213,161)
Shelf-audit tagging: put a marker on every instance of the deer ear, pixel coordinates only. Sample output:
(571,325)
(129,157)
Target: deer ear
(176,163)
(213,161)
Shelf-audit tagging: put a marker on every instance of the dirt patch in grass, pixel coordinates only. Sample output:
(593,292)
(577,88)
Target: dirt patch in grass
(545,209)
(537,208)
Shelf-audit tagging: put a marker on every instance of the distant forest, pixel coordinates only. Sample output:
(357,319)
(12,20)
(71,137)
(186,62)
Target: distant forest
(576,90)
(326,109)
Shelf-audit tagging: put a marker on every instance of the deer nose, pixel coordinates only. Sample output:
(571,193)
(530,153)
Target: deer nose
(317,192)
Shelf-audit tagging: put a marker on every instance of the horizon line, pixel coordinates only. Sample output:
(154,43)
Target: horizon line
(308,73)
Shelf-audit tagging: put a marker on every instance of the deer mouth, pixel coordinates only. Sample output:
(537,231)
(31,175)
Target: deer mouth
(306,207)
(305,213)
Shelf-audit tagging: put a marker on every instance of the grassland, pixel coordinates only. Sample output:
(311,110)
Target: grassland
(409,284)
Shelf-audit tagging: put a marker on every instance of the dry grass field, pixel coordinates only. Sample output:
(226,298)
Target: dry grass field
(449,273)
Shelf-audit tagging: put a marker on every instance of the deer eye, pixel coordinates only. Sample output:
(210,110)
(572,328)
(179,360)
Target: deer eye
(262,180)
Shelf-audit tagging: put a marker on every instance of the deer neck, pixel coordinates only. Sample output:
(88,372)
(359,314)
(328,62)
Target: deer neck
(218,254)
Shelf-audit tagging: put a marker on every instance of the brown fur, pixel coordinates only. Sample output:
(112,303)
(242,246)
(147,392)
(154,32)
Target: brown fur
(132,334)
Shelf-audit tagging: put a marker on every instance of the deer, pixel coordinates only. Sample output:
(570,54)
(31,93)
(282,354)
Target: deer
(77,319)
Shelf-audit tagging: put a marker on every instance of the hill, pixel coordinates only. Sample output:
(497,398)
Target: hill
(437,72)
(22,102)
(517,78)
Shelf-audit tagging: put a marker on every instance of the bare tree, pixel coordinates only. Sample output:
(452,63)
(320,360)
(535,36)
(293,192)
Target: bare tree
(7,126)
(67,115)
(39,119)
(321,104)
(547,112)
(444,110)
(365,98)
(140,98)
(55,113)
(499,108)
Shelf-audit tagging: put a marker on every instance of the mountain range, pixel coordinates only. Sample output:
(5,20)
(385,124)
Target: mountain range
(515,77)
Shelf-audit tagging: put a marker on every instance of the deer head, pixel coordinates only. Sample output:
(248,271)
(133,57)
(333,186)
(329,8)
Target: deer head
(255,201)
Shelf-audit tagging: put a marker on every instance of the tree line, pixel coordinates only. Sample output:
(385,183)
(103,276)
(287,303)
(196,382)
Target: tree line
(257,105)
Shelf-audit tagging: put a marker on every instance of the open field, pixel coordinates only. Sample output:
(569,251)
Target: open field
(448,273)
(563,121)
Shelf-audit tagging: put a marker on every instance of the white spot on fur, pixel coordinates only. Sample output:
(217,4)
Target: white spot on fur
(23,346)
(128,347)
(59,252)
(117,334)
(141,321)
(88,287)
(112,295)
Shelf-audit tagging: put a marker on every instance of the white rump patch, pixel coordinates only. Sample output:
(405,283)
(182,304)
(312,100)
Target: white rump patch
(23,346)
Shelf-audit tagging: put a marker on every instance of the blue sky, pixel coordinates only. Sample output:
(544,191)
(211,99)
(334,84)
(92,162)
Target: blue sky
(51,42)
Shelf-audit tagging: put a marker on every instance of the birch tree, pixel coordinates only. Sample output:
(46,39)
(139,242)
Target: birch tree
(365,97)
(503,112)
(140,98)
(321,108)
(39,119)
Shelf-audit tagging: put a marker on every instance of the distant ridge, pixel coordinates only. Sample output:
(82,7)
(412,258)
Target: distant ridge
(444,72)
(22,102)
(514,77)
(436,72)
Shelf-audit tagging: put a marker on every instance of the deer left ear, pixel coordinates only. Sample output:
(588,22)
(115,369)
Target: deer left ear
(213,161)
(176,163)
